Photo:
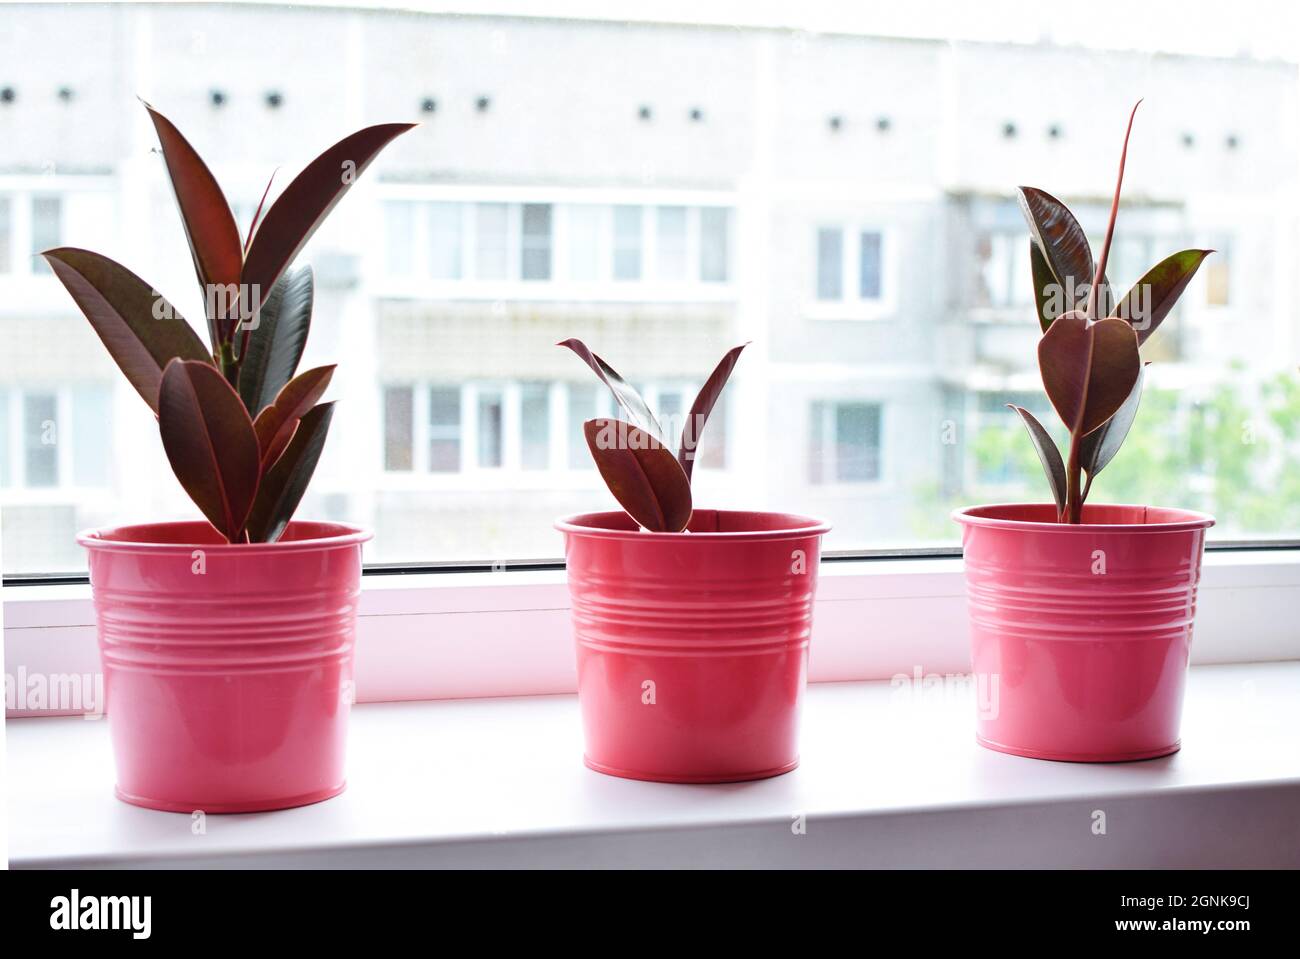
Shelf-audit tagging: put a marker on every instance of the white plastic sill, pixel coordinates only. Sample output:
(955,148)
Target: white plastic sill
(886,780)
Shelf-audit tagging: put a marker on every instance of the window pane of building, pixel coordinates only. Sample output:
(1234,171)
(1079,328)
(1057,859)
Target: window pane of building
(583,400)
(444,429)
(492,241)
(6,235)
(47,229)
(857,442)
(714,251)
(40,439)
(92,412)
(444,241)
(670,244)
(399,238)
(627,243)
(869,266)
(398,422)
(491,429)
(535,425)
(830,264)
(536,262)
(6,475)
(585,242)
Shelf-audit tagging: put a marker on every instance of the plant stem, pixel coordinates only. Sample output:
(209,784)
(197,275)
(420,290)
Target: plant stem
(1073,494)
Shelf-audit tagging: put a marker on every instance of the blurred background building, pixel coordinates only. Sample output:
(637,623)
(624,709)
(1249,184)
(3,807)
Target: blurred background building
(663,191)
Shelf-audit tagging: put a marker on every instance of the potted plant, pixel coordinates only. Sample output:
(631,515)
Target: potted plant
(1081,615)
(691,625)
(227,644)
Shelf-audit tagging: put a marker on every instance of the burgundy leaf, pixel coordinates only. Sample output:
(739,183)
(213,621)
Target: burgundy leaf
(626,397)
(141,330)
(285,482)
(643,475)
(304,204)
(275,425)
(1153,296)
(1088,369)
(1048,454)
(703,406)
(1063,245)
(1097,306)
(210,442)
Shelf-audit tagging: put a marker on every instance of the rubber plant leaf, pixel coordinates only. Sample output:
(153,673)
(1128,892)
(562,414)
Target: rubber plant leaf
(210,443)
(626,397)
(1098,448)
(1048,454)
(1088,369)
(705,400)
(142,331)
(209,225)
(276,339)
(1044,283)
(643,475)
(1153,296)
(275,425)
(1063,244)
(299,210)
(285,482)
(257,214)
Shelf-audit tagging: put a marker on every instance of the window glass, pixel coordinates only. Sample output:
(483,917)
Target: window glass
(535,426)
(40,439)
(583,406)
(398,422)
(399,235)
(536,262)
(5,474)
(47,229)
(830,264)
(627,243)
(584,243)
(670,244)
(870,266)
(844,442)
(492,241)
(92,412)
(6,235)
(491,428)
(444,241)
(714,252)
(444,429)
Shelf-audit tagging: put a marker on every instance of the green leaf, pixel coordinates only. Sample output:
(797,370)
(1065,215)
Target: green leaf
(1044,282)
(304,204)
(626,397)
(1098,448)
(209,225)
(276,342)
(285,483)
(1048,454)
(276,424)
(1153,296)
(1064,246)
(643,475)
(703,406)
(210,443)
(142,331)
(1088,369)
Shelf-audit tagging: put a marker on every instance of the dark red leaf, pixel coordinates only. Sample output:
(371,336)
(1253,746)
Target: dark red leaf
(275,425)
(1048,454)
(1088,369)
(285,482)
(1153,296)
(210,443)
(626,397)
(703,406)
(643,475)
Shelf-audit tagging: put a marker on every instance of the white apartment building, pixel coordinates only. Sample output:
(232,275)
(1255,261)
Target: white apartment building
(844,202)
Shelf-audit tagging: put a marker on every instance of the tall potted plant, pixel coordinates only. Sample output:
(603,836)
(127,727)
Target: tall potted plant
(1081,615)
(227,644)
(691,625)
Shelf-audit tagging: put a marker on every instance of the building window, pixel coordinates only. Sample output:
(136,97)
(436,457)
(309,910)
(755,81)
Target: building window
(1218,273)
(444,429)
(398,433)
(536,258)
(6,233)
(92,413)
(830,264)
(714,249)
(47,229)
(869,265)
(5,479)
(535,426)
(585,242)
(444,241)
(584,405)
(627,243)
(670,244)
(491,429)
(844,442)
(40,440)
(399,237)
(491,241)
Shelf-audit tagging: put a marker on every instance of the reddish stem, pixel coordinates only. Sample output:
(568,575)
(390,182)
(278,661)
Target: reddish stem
(1110,227)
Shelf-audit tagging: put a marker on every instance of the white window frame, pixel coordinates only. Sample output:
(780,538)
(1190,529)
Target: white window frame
(18,489)
(851,487)
(852,305)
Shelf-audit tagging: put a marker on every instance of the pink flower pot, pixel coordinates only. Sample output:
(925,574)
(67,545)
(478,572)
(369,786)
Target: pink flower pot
(1080,634)
(227,668)
(692,647)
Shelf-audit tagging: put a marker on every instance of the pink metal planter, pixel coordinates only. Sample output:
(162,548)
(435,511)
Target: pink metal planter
(227,668)
(692,647)
(1080,634)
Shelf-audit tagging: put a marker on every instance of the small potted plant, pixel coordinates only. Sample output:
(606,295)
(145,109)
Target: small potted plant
(1081,615)
(227,644)
(692,625)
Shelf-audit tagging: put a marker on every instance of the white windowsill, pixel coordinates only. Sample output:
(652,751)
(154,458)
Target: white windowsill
(885,781)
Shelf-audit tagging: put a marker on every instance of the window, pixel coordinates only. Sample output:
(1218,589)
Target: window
(1218,274)
(535,425)
(1004,272)
(627,243)
(869,265)
(91,428)
(536,263)
(714,252)
(670,244)
(845,442)
(584,404)
(6,233)
(399,232)
(492,241)
(399,443)
(5,469)
(585,236)
(47,229)
(830,264)
(444,429)
(444,241)
(491,429)
(40,439)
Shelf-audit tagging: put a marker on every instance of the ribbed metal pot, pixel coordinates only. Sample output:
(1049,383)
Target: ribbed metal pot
(692,647)
(1081,634)
(227,668)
